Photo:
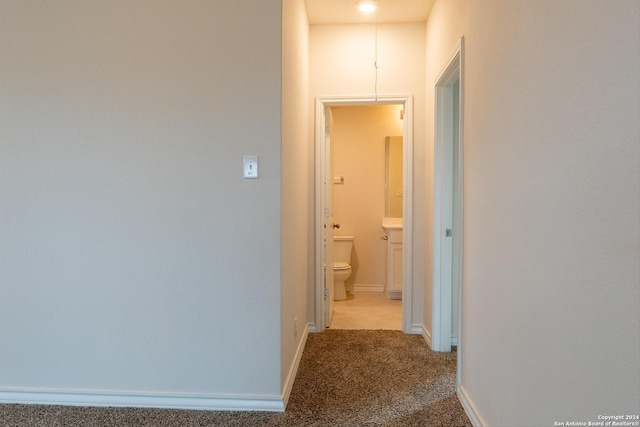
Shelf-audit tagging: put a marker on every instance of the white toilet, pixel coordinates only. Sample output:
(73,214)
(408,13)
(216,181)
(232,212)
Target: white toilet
(342,246)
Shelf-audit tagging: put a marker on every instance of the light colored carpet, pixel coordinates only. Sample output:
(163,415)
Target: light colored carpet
(346,378)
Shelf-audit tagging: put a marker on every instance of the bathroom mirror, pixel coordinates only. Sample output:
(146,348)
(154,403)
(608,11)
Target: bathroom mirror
(393,177)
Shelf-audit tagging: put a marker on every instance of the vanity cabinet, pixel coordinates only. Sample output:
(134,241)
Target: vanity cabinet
(394,264)
(393,233)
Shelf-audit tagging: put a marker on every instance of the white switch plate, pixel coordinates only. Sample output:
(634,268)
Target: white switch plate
(250,166)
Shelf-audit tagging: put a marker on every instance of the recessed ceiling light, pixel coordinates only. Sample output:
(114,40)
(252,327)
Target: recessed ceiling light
(367,6)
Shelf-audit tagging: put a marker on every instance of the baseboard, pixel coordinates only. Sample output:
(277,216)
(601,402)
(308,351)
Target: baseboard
(291,376)
(469,408)
(367,288)
(427,337)
(394,294)
(415,329)
(213,402)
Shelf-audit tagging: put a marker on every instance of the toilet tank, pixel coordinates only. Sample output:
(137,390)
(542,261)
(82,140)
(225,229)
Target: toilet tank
(342,246)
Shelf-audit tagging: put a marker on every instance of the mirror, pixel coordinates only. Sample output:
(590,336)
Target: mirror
(393,177)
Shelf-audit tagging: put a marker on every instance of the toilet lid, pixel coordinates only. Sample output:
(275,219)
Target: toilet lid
(340,266)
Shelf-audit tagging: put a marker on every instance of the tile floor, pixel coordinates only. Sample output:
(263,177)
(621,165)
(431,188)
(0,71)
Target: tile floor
(367,310)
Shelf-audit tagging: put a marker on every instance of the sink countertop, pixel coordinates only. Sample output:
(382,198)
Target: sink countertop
(392,223)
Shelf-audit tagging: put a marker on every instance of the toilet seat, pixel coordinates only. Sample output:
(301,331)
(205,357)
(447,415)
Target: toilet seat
(340,266)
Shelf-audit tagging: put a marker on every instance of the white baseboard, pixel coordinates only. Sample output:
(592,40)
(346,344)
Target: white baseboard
(427,337)
(394,294)
(213,402)
(416,329)
(469,408)
(366,288)
(291,376)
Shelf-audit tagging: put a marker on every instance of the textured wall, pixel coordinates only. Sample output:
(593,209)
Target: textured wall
(134,257)
(296,194)
(550,321)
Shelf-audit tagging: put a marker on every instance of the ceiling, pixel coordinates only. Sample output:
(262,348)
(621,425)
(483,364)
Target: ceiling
(346,12)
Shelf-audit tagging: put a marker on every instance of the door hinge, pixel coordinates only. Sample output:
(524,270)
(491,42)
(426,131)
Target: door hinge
(448,232)
(326,293)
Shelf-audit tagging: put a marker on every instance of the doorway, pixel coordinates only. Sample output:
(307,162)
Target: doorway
(448,205)
(324,214)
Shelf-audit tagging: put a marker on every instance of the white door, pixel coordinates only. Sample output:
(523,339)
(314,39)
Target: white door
(327,220)
(447,214)
(456,213)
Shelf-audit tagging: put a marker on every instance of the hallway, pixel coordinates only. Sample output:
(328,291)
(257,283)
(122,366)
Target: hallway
(346,378)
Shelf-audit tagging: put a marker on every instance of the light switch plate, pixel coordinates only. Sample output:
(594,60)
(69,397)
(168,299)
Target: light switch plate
(250,166)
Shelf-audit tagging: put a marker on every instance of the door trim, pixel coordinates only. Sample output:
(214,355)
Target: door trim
(444,260)
(320,125)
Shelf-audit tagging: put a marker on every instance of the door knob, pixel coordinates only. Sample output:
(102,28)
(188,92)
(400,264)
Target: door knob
(336,225)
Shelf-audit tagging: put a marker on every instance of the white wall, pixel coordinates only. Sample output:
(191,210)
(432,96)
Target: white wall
(358,152)
(134,258)
(551,323)
(341,59)
(296,197)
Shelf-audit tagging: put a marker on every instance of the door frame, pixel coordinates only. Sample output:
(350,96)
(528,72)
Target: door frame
(444,258)
(321,104)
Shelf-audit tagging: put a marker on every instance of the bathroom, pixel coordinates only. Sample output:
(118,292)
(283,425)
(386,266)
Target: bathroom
(366,164)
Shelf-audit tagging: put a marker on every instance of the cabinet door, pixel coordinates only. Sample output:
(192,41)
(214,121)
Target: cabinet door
(395,267)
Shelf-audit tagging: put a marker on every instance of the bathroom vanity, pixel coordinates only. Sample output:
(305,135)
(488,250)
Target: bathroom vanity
(393,231)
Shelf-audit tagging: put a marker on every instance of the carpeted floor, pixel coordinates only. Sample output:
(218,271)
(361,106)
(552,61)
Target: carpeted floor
(346,378)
